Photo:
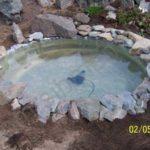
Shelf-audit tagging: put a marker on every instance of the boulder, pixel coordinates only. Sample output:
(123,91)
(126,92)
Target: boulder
(112,115)
(63,4)
(73,111)
(89,109)
(17,34)
(11,8)
(141,44)
(53,25)
(82,17)
(111,102)
(3,51)
(129,102)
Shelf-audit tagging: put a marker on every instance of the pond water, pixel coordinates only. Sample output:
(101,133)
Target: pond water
(72,69)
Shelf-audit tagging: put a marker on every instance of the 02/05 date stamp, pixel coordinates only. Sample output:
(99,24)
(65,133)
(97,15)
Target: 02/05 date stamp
(139,129)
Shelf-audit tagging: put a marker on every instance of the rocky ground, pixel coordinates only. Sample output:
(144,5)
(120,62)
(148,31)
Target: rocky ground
(20,129)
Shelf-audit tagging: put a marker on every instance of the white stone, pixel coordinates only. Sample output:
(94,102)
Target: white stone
(144,6)
(111,15)
(106,36)
(85,28)
(99,28)
(15,104)
(3,51)
(110,8)
(141,44)
(73,111)
(133,36)
(94,34)
(57,117)
(17,34)
(36,36)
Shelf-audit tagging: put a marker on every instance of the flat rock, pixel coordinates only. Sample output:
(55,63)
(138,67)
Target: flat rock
(82,17)
(53,25)
(17,34)
(73,111)
(63,4)
(94,34)
(106,36)
(3,51)
(99,28)
(85,28)
(10,8)
(141,44)
(89,109)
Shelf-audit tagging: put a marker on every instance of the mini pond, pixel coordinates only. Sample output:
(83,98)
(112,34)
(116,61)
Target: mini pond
(72,69)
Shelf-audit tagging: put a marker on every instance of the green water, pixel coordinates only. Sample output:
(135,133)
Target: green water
(45,67)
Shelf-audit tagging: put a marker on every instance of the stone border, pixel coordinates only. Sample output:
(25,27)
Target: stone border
(131,103)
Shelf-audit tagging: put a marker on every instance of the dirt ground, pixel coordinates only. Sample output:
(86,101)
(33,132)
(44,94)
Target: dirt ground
(22,130)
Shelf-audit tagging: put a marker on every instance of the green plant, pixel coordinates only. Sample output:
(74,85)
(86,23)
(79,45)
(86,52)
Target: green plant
(135,17)
(95,10)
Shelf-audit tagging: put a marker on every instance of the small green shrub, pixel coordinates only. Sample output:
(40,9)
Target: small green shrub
(95,10)
(141,20)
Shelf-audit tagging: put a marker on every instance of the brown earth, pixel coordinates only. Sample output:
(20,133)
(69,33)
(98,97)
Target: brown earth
(21,129)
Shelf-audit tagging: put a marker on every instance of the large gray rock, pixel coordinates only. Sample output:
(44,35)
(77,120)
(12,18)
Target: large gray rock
(53,25)
(17,34)
(82,17)
(111,102)
(63,4)
(129,102)
(89,109)
(10,8)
